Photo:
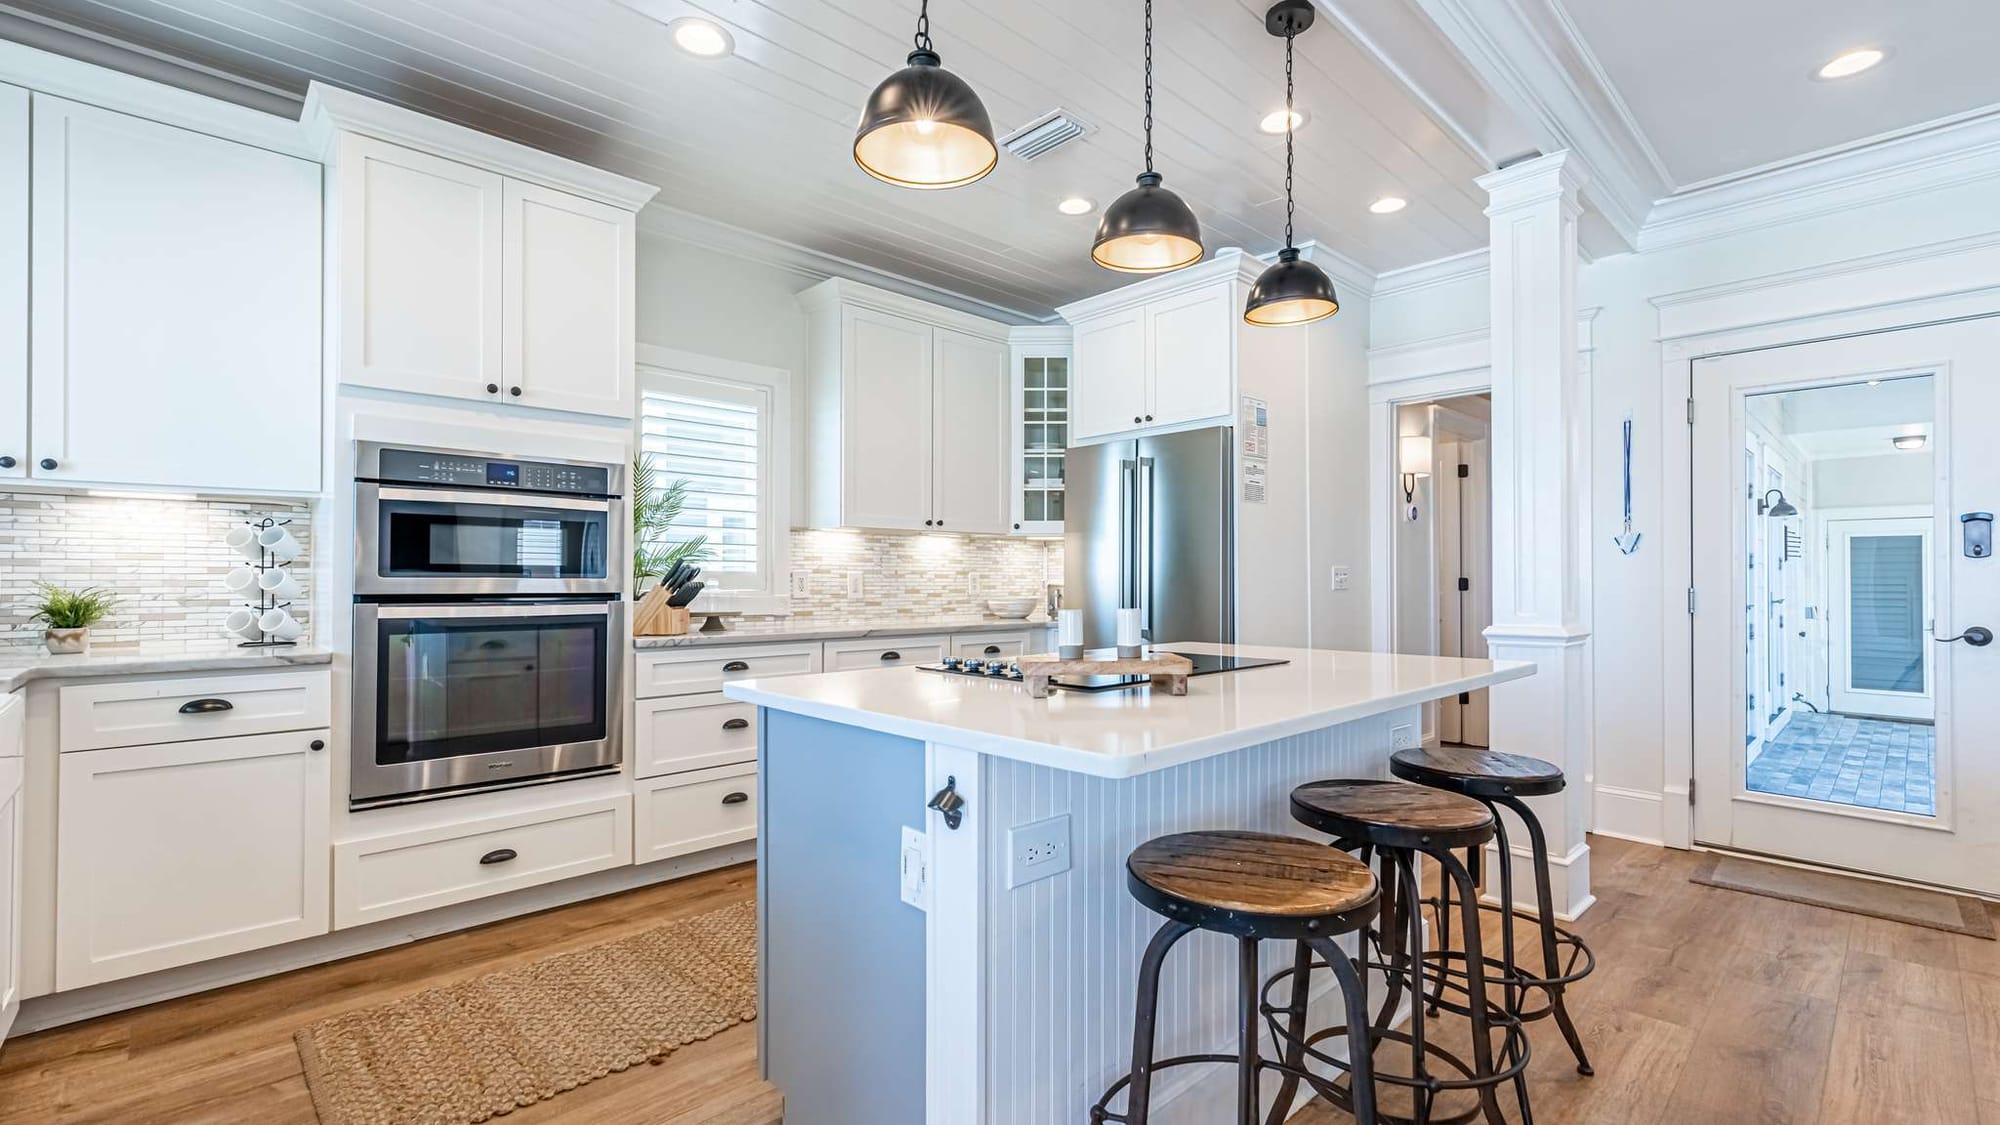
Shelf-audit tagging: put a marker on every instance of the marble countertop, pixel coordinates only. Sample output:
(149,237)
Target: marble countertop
(1125,733)
(841,628)
(21,665)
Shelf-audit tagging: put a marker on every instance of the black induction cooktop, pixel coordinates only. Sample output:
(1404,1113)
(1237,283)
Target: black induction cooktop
(1205,664)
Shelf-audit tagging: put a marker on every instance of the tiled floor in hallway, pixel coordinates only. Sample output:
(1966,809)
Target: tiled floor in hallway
(1871,763)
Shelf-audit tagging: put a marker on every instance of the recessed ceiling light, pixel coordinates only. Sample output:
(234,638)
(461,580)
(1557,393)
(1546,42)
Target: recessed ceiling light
(1274,121)
(1852,62)
(1388,205)
(1075,205)
(1908,441)
(701,38)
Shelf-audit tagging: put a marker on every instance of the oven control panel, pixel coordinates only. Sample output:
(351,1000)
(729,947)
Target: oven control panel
(459,470)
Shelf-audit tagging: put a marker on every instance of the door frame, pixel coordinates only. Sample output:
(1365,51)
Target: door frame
(1781,311)
(1923,524)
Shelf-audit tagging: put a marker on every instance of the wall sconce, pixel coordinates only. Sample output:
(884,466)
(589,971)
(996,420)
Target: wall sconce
(1776,511)
(1414,458)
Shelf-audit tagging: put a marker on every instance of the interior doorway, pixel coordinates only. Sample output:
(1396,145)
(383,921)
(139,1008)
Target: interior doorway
(1444,549)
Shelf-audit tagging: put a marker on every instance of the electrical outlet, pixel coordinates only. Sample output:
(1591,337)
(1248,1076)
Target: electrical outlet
(1403,736)
(802,583)
(916,869)
(1341,577)
(854,584)
(1037,851)
(972,583)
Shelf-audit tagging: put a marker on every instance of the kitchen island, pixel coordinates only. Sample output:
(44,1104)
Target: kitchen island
(914,971)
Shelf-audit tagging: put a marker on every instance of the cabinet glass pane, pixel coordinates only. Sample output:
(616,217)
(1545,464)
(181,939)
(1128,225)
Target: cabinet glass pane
(1055,470)
(1031,506)
(1055,506)
(1032,374)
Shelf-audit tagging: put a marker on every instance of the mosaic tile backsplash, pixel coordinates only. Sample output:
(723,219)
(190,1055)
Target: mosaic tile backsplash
(904,575)
(163,557)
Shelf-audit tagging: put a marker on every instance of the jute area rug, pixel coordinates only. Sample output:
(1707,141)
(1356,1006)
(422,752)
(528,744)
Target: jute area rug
(1936,910)
(487,1046)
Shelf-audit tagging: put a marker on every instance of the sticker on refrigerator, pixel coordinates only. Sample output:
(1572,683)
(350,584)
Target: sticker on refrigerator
(1255,427)
(1255,474)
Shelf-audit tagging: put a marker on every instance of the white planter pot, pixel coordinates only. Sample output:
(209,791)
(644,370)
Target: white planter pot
(66,642)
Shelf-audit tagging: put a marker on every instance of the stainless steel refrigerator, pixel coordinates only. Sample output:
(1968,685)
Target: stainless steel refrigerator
(1150,523)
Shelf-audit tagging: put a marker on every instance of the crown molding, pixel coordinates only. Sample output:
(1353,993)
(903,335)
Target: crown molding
(1228,263)
(838,292)
(1934,155)
(1345,271)
(1431,274)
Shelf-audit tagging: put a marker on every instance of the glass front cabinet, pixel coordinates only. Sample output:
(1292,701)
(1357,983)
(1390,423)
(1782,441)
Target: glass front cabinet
(1040,420)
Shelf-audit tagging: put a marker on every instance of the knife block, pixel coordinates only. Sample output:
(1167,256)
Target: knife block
(655,618)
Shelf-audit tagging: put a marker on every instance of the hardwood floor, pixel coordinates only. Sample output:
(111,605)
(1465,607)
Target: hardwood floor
(227,1056)
(1712,1006)
(1708,1006)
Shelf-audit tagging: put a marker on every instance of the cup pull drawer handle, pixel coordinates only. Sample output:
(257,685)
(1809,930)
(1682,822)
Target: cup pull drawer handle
(737,666)
(735,724)
(498,855)
(206,706)
(992,650)
(892,654)
(735,798)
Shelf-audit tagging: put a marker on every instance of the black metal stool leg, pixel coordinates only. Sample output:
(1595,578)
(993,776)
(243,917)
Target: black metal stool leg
(1545,905)
(1513,998)
(1423,1094)
(1444,940)
(1247,988)
(1138,1099)
(1475,981)
(1360,1045)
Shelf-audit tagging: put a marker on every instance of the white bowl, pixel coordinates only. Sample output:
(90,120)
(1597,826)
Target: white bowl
(1010,607)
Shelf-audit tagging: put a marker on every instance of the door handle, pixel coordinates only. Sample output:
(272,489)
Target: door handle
(206,706)
(736,724)
(735,798)
(498,855)
(1978,636)
(892,654)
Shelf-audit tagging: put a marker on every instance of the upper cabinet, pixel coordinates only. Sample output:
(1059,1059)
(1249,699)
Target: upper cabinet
(175,279)
(1159,353)
(1039,420)
(909,404)
(476,268)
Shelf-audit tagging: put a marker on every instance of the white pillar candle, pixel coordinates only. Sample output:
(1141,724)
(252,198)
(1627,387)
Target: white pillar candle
(1069,633)
(1128,632)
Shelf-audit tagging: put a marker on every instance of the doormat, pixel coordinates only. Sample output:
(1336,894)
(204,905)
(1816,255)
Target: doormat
(484,1047)
(1936,910)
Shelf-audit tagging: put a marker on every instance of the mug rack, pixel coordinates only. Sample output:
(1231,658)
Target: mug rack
(266,600)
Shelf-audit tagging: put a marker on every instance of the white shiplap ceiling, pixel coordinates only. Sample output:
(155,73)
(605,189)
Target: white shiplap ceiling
(761,140)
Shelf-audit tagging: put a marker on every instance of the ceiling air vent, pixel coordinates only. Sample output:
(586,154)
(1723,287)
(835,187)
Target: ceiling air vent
(1044,134)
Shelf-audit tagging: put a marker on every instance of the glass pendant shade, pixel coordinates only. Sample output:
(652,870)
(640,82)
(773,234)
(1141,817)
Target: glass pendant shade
(923,127)
(1290,291)
(1147,230)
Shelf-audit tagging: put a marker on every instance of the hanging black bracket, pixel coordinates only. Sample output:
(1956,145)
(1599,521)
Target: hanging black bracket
(949,803)
(1289,17)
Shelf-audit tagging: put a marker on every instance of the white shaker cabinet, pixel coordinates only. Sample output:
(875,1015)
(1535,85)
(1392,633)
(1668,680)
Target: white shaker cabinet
(909,401)
(569,308)
(1162,352)
(1191,338)
(13,282)
(175,328)
(1108,385)
(173,853)
(419,247)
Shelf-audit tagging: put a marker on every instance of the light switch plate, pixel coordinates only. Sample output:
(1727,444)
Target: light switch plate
(916,868)
(854,584)
(1037,851)
(1341,577)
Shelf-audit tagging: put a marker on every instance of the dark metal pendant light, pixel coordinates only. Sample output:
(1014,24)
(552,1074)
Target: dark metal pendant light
(1148,229)
(923,127)
(1290,291)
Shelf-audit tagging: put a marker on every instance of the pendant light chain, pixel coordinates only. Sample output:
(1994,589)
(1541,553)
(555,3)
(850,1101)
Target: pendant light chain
(924,27)
(1149,85)
(1290,117)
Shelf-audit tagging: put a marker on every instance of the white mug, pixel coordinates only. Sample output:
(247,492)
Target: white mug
(279,542)
(241,583)
(242,623)
(242,540)
(280,626)
(279,583)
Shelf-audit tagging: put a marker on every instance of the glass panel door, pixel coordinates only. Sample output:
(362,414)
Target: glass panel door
(1044,441)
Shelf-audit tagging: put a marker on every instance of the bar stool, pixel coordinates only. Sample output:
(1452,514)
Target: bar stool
(1399,822)
(1254,887)
(1500,781)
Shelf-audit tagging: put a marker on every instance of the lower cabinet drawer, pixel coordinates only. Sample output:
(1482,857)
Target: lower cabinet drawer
(899,652)
(388,876)
(986,646)
(690,732)
(693,812)
(692,671)
(140,712)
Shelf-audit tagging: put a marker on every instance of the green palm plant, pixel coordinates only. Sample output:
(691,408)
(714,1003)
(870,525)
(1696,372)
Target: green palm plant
(655,509)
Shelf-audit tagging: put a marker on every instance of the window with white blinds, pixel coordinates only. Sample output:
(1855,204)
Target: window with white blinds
(714,436)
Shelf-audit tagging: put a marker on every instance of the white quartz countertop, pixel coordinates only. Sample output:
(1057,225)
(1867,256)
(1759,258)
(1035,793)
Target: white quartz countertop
(1125,733)
(838,628)
(21,664)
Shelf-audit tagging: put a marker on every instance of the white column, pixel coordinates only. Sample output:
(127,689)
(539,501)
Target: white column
(1541,507)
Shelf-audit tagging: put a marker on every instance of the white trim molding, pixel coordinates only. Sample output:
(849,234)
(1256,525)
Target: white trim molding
(1627,814)
(1569,878)
(1431,274)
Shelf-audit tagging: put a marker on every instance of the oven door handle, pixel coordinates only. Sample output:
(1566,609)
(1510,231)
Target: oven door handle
(496,496)
(397,612)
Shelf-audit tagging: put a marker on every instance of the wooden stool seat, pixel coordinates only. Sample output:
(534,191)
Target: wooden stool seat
(1478,773)
(1245,882)
(1392,814)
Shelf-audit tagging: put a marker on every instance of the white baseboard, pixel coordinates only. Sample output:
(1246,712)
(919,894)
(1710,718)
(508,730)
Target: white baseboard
(1569,880)
(59,1008)
(1628,814)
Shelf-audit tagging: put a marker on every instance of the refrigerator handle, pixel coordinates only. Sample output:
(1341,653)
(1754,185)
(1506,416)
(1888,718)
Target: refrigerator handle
(1144,555)
(1128,492)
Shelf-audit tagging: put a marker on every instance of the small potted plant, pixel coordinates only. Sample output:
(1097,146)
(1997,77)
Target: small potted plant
(68,615)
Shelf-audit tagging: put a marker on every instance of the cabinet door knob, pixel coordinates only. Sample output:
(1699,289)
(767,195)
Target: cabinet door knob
(1149,417)
(316,744)
(1017,527)
(48,463)
(498,855)
(928,523)
(892,654)
(7,462)
(1136,419)
(736,724)
(735,798)
(206,706)
(515,391)
(737,666)
(492,388)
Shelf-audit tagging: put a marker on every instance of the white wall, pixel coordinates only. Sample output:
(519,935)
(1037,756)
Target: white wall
(1884,480)
(1337,393)
(1630,595)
